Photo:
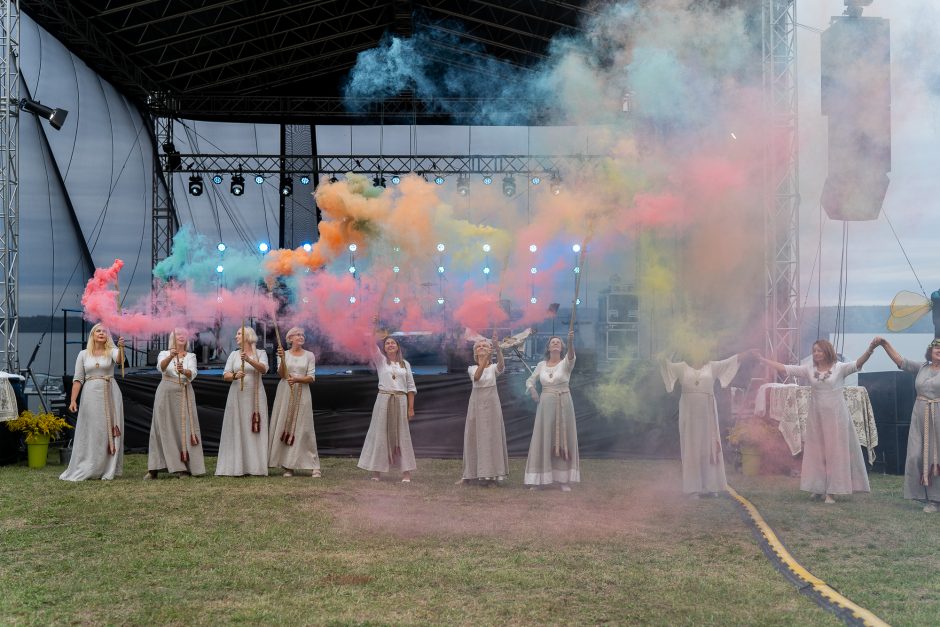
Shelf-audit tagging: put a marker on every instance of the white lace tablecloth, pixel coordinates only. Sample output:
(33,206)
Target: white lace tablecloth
(789,405)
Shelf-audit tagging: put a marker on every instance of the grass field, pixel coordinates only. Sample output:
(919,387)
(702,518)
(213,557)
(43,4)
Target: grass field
(624,547)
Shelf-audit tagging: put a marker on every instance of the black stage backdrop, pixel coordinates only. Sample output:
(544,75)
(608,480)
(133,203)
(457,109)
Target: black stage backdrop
(343,408)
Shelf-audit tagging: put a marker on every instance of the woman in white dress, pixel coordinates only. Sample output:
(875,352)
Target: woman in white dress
(175,438)
(388,441)
(832,456)
(485,455)
(922,466)
(553,452)
(243,445)
(703,464)
(293,440)
(97,448)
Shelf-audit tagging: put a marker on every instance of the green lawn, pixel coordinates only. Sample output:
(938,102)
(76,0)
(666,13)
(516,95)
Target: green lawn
(624,547)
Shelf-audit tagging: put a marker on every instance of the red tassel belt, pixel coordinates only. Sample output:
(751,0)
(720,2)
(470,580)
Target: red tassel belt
(113,432)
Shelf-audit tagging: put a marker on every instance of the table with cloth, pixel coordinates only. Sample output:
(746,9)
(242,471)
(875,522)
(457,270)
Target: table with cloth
(789,405)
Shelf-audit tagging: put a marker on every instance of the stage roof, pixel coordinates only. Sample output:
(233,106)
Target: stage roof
(284,60)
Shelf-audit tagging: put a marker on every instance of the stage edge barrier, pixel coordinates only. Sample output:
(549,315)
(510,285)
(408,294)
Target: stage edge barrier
(807,583)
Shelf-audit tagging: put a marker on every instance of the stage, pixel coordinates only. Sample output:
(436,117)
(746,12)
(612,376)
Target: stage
(343,401)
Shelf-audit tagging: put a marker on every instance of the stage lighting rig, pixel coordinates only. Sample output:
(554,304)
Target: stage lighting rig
(463,184)
(287,186)
(509,186)
(174,161)
(378,181)
(56,117)
(555,184)
(238,185)
(854,8)
(195,185)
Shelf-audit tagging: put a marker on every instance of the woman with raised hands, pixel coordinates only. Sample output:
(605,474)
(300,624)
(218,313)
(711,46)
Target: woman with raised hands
(485,455)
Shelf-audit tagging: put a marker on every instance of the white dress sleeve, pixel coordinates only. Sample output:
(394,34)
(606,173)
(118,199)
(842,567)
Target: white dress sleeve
(409,379)
(530,382)
(311,365)
(671,372)
(80,367)
(189,363)
(725,370)
(163,355)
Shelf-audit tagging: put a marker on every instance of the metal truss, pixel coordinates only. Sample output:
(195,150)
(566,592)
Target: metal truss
(9,183)
(385,164)
(781,181)
(164,220)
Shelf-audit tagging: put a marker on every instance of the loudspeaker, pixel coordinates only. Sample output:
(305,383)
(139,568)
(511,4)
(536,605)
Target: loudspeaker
(892,395)
(856,97)
(618,308)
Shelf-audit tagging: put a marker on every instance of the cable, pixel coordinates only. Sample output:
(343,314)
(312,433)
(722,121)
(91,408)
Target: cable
(904,252)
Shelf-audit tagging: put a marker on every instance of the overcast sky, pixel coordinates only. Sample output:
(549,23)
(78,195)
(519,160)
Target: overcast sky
(105,161)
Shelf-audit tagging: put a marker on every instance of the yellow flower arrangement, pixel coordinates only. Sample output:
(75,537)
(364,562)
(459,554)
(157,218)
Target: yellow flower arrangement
(752,430)
(38,424)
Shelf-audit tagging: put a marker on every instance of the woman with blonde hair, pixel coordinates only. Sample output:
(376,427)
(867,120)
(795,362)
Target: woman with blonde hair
(175,439)
(832,456)
(553,452)
(243,444)
(293,441)
(485,455)
(97,448)
(388,441)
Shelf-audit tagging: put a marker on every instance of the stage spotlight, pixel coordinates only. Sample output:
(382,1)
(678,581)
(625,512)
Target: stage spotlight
(195,185)
(440,248)
(576,248)
(556,184)
(259,179)
(463,184)
(305,180)
(238,185)
(533,270)
(486,248)
(263,247)
(352,269)
(440,269)
(577,301)
(396,300)
(217,179)
(396,269)
(533,248)
(439,179)
(396,179)
(378,181)
(440,300)
(173,160)
(333,179)
(487,180)
(577,270)
(220,247)
(509,186)
(287,186)
(219,268)
(56,117)
(486,270)
(307,247)
(352,300)
(533,300)
(536,180)
(353,248)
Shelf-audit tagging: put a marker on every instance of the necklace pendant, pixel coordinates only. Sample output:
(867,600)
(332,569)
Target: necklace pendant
(393,376)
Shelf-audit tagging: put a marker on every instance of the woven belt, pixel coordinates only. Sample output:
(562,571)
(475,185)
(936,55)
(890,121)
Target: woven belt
(928,467)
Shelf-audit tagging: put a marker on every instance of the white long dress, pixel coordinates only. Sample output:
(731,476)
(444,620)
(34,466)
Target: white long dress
(832,456)
(703,464)
(485,455)
(101,397)
(389,423)
(553,452)
(302,453)
(242,451)
(175,423)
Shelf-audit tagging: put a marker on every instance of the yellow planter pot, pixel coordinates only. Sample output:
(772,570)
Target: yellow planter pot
(750,461)
(37,447)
